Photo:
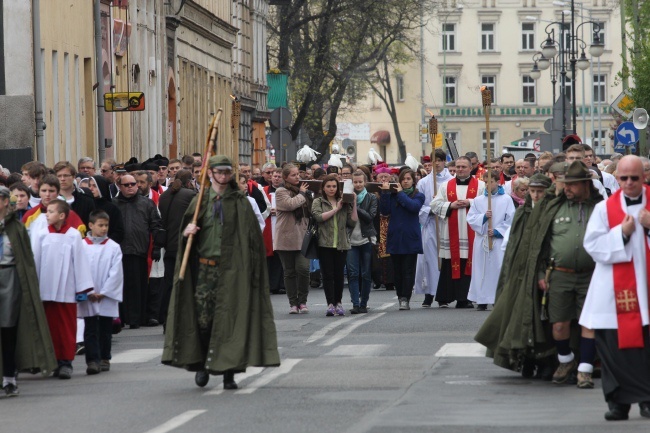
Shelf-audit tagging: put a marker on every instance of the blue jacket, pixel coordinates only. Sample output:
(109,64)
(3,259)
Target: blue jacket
(404,234)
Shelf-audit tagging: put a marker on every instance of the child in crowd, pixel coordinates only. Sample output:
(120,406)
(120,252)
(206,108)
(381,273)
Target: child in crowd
(64,275)
(21,193)
(105,257)
(486,262)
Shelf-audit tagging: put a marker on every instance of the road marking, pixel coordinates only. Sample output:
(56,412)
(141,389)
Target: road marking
(324,330)
(357,350)
(348,330)
(250,372)
(386,306)
(286,366)
(136,355)
(177,421)
(461,350)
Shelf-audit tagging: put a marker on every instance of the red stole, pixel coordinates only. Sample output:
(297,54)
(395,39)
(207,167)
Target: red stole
(454,235)
(89,242)
(628,313)
(502,178)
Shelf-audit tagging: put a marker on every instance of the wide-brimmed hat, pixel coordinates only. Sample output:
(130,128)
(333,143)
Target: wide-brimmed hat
(576,172)
(539,180)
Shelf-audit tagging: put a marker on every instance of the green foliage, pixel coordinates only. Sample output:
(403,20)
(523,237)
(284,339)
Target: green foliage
(638,22)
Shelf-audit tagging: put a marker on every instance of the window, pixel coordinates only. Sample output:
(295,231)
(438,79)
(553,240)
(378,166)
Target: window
(568,86)
(399,84)
(450,91)
(448,37)
(600,139)
(566,36)
(527,36)
(600,85)
(493,144)
(487,37)
(528,132)
(490,82)
(453,136)
(601,33)
(529,90)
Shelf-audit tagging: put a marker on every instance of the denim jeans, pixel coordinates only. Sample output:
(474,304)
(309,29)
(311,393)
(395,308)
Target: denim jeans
(359,273)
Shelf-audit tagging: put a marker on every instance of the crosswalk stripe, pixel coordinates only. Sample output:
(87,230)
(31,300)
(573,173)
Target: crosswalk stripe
(136,356)
(286,366)
(461,350)
(348,330)
(177,421)
(250,372)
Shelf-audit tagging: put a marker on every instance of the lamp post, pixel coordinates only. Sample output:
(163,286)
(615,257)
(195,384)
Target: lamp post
(568,55)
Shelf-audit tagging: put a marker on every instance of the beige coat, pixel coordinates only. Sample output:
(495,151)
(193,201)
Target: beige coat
(288,234)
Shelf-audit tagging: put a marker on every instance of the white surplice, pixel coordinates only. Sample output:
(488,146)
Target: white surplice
(440,205)
(607,248)
(426,271)
(62,266)
(486,264)
(106,269)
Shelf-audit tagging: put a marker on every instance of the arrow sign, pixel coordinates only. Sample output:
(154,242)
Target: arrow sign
(627,134)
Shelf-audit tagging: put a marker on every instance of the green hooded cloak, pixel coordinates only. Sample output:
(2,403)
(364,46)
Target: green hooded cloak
(243,331)
(34,350)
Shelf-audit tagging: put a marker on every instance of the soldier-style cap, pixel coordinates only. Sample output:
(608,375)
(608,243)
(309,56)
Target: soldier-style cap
(221,162)
(576,172)
(539,180)
(558,168)
(4,192)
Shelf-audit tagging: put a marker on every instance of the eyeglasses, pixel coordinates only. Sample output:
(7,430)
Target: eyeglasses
(105,170)
(128,184)
(268,172)
(632,178)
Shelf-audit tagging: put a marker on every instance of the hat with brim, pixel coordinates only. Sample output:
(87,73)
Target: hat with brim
(576,172)
(539,180)
(119,168)
(220,162)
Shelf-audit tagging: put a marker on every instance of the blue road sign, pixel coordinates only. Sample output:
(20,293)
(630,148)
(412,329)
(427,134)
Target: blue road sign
(627,134)
(622,148)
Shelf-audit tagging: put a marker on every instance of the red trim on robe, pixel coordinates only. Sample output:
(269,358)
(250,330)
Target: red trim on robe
(62,321)
(454,231)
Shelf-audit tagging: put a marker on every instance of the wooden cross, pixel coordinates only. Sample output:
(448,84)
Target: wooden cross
(626,301)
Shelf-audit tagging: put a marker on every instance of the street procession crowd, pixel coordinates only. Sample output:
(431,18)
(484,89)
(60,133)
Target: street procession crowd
(555,246)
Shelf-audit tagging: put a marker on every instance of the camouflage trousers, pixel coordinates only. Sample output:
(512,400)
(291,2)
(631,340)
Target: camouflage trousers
(205,295)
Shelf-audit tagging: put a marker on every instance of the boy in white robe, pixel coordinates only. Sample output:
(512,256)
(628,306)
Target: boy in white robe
(105,257)
(63,274)
(486,263)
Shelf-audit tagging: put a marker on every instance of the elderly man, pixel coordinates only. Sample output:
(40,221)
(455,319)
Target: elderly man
(141,221)
(86,165)
(267,174)
(617,301)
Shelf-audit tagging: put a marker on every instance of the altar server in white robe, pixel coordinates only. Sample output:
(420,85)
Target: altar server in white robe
(486,263)
(617,301)
(427,271)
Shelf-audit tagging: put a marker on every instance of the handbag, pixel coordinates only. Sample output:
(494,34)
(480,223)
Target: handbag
(310,241)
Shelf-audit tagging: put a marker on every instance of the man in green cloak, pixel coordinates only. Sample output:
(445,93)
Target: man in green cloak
(25,342)
(220,318)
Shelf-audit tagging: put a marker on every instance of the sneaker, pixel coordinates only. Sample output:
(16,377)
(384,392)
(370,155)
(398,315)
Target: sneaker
(105,365)
(481,307)
(65,372)
(339,310)
(564,371)
(403,304)
(443,305)
(428,300)
(81,349)
(330,310)
(93,368)
(293,310)
(363,309)
(355,310)
(11,390)
(585,381)
(303,308)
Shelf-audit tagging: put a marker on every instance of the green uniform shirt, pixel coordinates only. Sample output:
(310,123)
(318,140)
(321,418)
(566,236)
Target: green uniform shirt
(209,245)
(568,231)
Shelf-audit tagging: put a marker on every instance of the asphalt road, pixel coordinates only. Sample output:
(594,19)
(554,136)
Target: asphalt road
(386,371)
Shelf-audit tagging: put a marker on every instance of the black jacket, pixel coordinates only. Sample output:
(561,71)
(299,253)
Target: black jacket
(172,208)
(83,204)
(105,203)
(366,212)
(141,219)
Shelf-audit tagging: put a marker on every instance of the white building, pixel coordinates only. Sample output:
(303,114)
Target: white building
(492,43)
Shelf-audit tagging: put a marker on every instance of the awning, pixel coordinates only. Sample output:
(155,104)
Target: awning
(381,137)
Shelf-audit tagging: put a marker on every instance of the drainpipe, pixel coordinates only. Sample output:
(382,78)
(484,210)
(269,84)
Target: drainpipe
(100,80)
(38,81)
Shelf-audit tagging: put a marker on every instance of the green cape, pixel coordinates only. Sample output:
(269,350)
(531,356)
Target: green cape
(34,350)
(243,332)
(514,330)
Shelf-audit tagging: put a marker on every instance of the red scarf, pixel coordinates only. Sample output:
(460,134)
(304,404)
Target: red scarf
(454,236)
(628,313)
(503,180)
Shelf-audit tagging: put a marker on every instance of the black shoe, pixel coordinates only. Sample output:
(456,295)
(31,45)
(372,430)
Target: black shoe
(428,300)
(93,368)
(363,310)
(390,286)
(644,409)
(65,372)
(464,304)
(443,305)
(81,349)
(11,390)
(546,369)
(355,310)
(134,326)
(528,368)
(229,380)
(481,307)
(152,322)
(617,412)
(201,378)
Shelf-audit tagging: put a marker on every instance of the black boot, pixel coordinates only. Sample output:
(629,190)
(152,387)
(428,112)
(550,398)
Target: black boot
(617,411)
(201,378)
(229,380)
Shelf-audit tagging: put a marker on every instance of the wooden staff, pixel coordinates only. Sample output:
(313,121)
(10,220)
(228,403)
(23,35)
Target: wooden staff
(235,117)
(487,103)
(433,132)
(209,145)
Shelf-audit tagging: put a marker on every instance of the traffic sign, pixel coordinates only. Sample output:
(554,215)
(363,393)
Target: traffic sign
(623,105)
(627,134)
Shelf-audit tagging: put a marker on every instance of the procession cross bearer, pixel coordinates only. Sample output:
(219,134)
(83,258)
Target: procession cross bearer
(617,301)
